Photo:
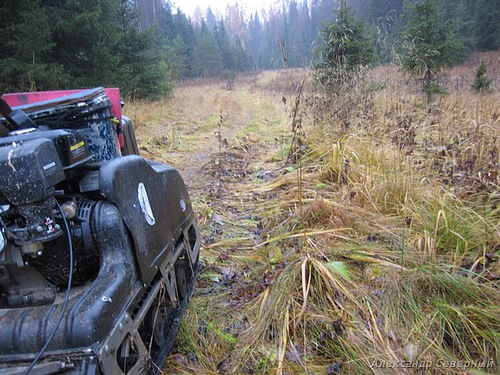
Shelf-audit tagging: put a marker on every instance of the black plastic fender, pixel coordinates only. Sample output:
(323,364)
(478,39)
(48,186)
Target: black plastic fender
(154,203)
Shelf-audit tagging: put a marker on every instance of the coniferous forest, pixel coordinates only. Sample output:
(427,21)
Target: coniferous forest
(143,46)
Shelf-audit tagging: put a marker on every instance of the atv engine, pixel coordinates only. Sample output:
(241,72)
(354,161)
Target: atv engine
(33,242)
(98,251)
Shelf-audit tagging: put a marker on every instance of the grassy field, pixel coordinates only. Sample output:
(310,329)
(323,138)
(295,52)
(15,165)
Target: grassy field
(355,233)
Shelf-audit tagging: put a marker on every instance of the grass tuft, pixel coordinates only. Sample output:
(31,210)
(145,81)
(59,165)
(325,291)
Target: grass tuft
(374,243)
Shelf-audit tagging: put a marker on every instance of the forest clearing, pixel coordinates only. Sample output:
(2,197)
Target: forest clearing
(372,249)
(347,203)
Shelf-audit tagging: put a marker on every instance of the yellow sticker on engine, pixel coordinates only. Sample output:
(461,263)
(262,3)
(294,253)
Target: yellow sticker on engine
(78,145)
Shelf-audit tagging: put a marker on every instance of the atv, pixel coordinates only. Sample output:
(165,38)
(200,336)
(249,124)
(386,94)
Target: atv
(99,247)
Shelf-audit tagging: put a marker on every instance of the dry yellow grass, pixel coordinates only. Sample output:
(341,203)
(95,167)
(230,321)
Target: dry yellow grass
(379,248)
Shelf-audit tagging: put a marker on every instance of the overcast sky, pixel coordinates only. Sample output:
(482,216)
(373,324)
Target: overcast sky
(250,6)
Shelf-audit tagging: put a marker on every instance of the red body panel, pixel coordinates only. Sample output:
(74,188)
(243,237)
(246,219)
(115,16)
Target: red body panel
(23,98)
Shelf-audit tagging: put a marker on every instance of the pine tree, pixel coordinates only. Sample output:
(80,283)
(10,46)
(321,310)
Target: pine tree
(26,47)
(242,58)
(186,32)
(269,57)
(307,34)
(180,65)
(144,69)
(85,34)
(210,19)
(481,83)
(428,44)
(224,44)
(255,29)
(344,50)
(293,35)
(207,58)
(165,23)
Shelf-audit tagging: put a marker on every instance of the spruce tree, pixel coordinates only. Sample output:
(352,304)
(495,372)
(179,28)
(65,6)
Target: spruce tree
(255,28)
(481,83)
(225,48)
(344,50)
(144,69)
(186,32)
(428,44)
(26,47)
(180,61)
(207,58)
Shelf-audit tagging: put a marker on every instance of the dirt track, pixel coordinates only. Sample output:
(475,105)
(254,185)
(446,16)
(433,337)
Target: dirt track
(227,146)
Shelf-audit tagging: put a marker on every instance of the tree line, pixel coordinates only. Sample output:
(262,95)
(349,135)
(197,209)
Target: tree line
(58,44)
(142,46)
(422,36)
(474,21)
